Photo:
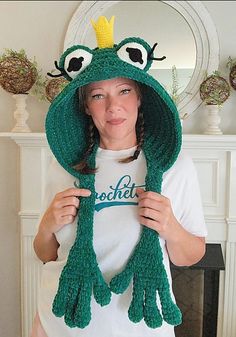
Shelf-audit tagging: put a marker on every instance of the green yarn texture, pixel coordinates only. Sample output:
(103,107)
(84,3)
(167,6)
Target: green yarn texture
(66,130)
(81,276)
(149,276)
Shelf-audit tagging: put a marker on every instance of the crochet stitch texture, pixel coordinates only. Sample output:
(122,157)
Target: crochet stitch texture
(66,128)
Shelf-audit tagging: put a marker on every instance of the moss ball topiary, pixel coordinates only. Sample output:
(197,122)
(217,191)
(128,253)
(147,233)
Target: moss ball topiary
(215,90)
(17,73)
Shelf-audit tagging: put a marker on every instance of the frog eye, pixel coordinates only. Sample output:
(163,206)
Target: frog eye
(76,61)
(134,53)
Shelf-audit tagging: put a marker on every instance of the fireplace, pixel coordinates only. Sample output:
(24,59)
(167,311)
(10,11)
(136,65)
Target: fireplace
(214,158)
(196,289)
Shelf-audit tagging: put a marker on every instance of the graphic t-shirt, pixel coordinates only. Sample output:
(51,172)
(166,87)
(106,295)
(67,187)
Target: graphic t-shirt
(116,233)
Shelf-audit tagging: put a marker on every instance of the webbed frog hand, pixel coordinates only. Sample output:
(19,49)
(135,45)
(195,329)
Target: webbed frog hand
(149,276)
(79,279)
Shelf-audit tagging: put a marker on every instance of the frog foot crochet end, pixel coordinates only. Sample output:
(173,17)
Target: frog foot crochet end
(172,315)
(143,306)
(79,279)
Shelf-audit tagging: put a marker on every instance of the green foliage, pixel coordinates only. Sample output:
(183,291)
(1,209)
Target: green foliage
(38,89)
(175,85)
(12,53)
(21,55)
(231,63)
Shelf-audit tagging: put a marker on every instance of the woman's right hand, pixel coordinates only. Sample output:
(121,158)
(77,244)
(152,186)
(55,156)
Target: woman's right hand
(62,210)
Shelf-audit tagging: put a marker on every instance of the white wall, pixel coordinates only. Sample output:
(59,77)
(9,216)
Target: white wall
(39,27)
(223,15)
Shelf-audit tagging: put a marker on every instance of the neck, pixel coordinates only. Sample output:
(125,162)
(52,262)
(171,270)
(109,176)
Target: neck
(117,145)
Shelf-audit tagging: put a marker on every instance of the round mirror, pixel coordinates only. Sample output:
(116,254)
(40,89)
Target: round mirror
(183,30)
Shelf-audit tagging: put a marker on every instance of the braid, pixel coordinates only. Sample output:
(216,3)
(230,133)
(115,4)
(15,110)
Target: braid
(91,139)
(140,138)
(140,134)
(83,166)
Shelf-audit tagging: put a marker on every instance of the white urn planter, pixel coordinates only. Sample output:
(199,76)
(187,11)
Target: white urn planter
(213,120)
(21,114)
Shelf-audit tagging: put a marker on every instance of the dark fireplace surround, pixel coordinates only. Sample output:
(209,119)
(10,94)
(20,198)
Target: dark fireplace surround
(196,289)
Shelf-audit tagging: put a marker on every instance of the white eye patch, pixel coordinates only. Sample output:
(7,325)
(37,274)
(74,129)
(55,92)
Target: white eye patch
(77,61)
(133,53)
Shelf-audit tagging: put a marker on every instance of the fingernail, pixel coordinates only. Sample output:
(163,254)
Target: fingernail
(76,184)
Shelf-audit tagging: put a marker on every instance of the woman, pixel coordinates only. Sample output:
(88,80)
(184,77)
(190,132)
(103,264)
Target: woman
(136,201)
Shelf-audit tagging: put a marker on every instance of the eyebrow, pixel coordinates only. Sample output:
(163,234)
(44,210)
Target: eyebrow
(124,83)
(92,89)
(99,88)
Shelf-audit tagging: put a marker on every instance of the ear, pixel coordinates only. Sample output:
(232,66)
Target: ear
(139,101)
(87,111)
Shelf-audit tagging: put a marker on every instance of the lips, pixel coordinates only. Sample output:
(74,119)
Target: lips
(116,121)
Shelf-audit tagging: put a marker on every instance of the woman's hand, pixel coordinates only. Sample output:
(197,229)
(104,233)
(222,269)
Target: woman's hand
(155,212)
(62,210)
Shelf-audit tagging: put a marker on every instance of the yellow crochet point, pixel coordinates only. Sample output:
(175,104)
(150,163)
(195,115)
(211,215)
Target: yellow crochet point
(104,32)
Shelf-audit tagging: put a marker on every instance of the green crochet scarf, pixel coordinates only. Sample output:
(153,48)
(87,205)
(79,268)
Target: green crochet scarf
(66,130)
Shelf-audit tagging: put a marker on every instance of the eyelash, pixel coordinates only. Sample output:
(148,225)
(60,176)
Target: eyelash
(97,96)
(123,92)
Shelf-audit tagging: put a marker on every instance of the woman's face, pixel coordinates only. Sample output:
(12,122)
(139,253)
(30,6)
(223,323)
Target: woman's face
(113,106)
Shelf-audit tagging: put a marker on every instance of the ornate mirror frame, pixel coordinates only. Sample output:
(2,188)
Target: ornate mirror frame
(200,22)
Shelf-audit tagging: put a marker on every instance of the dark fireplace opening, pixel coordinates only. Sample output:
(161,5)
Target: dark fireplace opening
(196,290)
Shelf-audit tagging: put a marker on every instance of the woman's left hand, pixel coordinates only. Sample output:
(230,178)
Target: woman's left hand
(155,212)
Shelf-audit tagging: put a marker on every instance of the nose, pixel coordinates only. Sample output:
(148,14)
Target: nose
(113,104)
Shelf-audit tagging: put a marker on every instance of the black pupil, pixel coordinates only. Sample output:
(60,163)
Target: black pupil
(135,55)
(75,64)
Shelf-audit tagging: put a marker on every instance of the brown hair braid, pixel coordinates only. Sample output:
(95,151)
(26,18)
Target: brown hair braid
(83,166)
(140,136)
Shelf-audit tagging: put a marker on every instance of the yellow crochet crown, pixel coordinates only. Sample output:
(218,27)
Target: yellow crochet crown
(104,32)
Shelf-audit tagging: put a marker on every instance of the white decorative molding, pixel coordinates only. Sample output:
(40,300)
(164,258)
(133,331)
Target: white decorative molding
(29,215)
(190,141)
(27,139)
(30,277)
(231,230)
(231,184)
(211,173)
(212,164)
(229,313)
(209,142)
(217,229)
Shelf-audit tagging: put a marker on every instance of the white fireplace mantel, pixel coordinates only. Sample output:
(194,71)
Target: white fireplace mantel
(215,160)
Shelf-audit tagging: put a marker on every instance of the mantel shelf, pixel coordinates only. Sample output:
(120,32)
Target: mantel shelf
(198,141)
(26,138)
(24,135)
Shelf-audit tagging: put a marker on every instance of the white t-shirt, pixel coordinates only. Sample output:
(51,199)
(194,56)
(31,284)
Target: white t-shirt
(116,232)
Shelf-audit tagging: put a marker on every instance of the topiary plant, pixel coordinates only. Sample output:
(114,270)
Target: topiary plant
(54,86)
(231,64)
(214,90)
(18,74)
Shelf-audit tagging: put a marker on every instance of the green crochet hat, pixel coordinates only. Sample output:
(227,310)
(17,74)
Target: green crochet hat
(67,135)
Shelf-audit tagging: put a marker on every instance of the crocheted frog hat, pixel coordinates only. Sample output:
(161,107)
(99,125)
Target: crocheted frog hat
(67,131)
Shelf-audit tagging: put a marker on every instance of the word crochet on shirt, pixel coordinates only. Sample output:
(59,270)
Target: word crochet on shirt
(117,195)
